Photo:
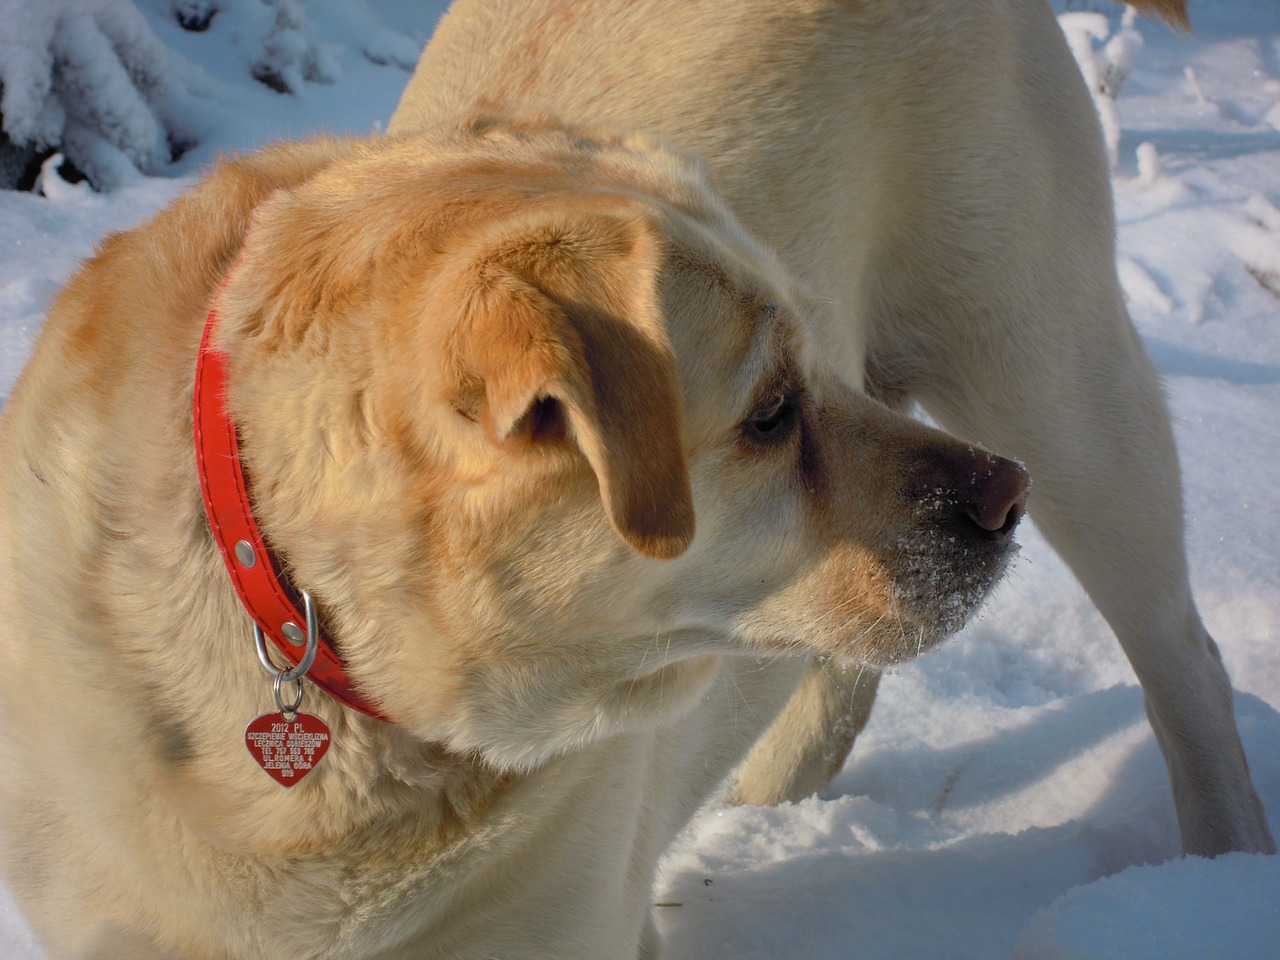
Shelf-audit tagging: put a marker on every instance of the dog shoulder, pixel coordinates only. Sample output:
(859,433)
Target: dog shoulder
(139,298)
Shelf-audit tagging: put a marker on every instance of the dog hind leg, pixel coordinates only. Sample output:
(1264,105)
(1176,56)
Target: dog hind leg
(1092,428)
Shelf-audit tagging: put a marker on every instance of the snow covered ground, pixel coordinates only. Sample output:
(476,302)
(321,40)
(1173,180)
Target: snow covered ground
(1007,798)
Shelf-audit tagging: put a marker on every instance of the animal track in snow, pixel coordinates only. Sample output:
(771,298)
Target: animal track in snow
(1258,243)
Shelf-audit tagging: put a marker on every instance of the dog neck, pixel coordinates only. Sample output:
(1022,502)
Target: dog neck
(255,570)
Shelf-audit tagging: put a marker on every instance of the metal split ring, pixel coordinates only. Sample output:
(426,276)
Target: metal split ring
(287,710)
(295,674)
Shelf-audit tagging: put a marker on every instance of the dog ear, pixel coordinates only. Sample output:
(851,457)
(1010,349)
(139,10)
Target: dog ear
(562,335)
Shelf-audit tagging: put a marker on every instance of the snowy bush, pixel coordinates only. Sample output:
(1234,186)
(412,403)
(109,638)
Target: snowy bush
(291,53)
(88,77)
(93,80)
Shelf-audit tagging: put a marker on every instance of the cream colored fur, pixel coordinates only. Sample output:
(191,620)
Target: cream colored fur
(499,390)
(932,170)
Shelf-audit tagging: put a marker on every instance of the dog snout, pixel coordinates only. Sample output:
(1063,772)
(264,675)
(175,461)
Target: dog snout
(997,496)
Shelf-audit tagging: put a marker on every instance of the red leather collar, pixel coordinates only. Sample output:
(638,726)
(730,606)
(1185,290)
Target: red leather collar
(260,584)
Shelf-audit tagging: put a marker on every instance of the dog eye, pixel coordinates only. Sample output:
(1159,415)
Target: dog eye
(773,422)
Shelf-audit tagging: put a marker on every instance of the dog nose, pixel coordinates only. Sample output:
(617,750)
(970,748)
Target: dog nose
(995,497)
(977,496)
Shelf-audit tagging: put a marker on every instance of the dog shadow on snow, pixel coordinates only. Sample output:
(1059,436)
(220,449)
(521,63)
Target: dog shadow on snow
(934,853)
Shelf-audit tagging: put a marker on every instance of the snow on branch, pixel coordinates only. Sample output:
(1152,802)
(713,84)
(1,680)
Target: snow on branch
(93,81)
(291,52)
(86,77)
(1105,60)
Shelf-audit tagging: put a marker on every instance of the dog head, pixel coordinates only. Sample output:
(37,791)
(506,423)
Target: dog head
(542,429)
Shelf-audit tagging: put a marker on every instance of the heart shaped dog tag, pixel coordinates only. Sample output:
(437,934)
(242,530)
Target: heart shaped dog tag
(287,749)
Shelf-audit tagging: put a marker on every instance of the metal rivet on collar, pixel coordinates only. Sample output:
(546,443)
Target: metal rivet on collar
(293,633)
(245,554)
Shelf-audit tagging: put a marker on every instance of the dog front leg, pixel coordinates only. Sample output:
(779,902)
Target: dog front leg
(808,742)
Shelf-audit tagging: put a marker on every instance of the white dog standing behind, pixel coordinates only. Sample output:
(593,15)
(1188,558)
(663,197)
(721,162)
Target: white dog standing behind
(935,172)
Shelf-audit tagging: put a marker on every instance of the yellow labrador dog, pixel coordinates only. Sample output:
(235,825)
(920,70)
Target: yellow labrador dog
(546,446)
(932,171)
